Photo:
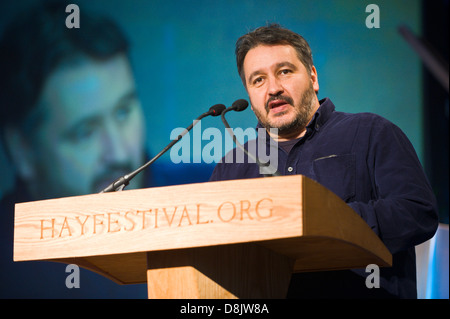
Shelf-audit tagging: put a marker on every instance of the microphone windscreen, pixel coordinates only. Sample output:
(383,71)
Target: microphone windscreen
(239,105)
(217,109)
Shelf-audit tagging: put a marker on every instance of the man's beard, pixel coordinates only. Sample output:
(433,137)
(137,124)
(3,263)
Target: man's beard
(302,113)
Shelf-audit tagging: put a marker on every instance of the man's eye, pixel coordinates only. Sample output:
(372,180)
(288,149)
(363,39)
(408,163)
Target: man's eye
(123,112)
(82,133)
(257,80)
(285,71)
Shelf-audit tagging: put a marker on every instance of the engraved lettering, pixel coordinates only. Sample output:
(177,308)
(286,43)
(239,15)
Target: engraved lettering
(167,217)
(187,215)
(198,216)
(44,228)
(269,208)
(156,218)
(245,209)
(116,222)
(143,217)
(82,223)
(183,215)
(65,225)
(130,220)
(219,212)
(97,223)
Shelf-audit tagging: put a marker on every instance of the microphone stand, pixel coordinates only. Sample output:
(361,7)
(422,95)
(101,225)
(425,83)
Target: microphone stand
(250,155)
(120,183)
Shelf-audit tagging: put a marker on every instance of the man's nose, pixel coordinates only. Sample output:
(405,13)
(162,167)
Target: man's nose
(113,143)
(275,87)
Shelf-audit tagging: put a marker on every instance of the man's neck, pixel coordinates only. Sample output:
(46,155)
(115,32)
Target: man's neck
(288,137)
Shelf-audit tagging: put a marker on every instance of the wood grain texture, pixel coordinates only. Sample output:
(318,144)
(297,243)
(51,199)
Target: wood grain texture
(219,272)
(157,219)
(221,239)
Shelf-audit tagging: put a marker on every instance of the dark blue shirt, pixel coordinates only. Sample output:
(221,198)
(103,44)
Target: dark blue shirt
(369,163)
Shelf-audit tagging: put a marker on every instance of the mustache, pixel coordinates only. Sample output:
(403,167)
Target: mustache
(281,97)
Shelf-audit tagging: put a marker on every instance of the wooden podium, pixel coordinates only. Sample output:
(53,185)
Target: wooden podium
(229,239)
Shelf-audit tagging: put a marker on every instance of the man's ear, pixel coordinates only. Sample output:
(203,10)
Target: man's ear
(314,79)
(21,153)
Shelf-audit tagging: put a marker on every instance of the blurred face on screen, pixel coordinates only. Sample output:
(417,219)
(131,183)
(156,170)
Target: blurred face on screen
(91,130)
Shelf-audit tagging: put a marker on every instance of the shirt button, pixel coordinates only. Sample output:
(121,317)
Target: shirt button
(290,169)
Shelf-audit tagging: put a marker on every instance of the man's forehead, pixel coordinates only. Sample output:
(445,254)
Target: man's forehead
(88,88)
(270,50)
(264,56)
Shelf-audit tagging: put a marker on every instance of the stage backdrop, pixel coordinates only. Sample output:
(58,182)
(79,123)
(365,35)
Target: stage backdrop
(183,58)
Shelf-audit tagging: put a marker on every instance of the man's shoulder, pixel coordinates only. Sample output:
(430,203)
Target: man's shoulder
(361,118)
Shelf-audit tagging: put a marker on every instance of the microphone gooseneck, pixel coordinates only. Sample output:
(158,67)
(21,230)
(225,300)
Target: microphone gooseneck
(238,106)
(120,183)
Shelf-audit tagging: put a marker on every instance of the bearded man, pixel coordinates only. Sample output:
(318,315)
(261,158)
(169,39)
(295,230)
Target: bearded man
(363,158)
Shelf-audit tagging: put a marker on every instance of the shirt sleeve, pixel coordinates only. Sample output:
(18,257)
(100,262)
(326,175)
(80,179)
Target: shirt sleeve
(404,211)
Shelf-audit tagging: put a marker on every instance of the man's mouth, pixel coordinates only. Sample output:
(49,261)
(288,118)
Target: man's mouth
(277,107)
(276,104)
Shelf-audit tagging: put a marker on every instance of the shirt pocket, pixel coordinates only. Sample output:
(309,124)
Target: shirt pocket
(337,173)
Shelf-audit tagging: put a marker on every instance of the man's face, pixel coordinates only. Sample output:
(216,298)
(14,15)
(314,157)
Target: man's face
(281,91)
(93,129)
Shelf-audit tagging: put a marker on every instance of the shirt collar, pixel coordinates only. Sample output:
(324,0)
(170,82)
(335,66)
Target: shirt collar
(322,114)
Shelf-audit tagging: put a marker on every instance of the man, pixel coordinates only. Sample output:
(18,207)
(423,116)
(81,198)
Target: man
(70,116)
(71,123)
(363,158)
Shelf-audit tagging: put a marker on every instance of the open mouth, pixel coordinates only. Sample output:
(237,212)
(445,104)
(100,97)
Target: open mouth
(278,106)
(277,103)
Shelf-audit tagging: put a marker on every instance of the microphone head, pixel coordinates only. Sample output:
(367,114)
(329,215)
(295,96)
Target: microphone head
(217,109)
(239,105)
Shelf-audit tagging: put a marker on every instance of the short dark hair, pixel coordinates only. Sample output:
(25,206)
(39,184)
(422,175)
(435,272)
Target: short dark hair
(272,34)
(37,42)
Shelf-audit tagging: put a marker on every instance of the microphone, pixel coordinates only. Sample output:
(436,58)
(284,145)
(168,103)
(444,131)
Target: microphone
(239,106)
(120,183)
